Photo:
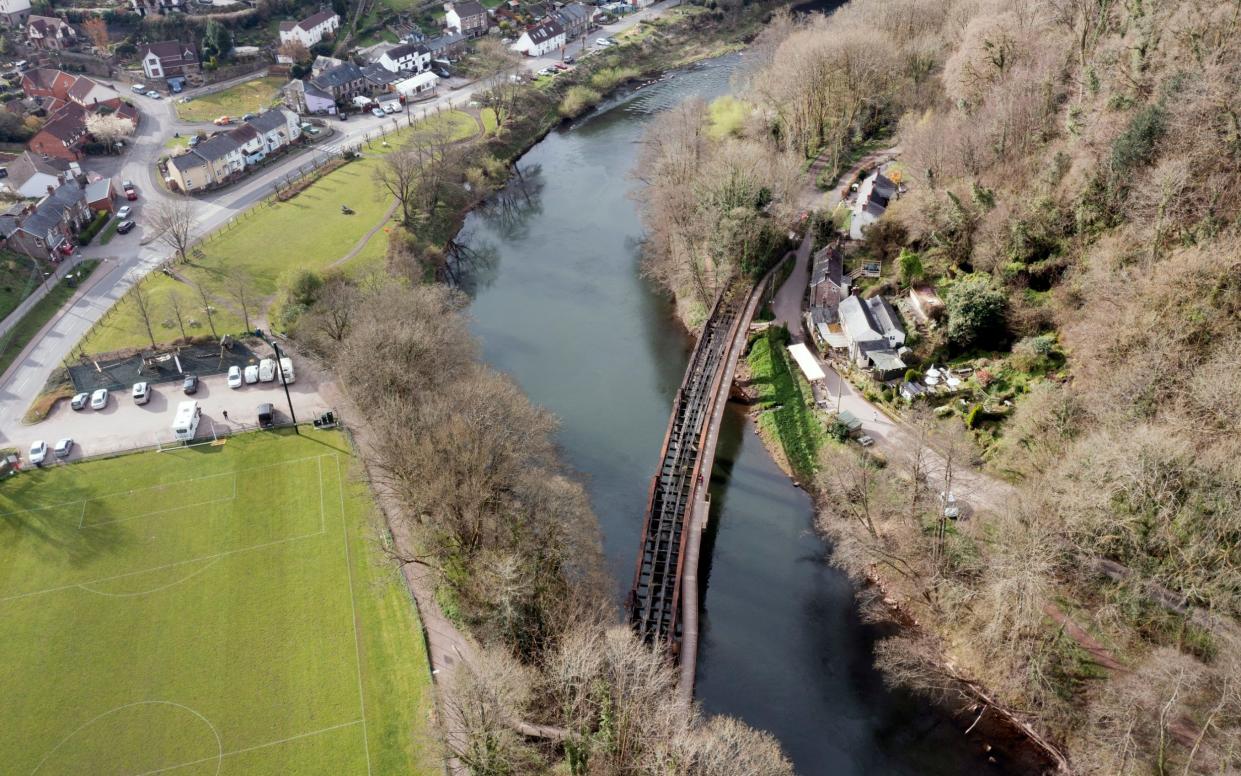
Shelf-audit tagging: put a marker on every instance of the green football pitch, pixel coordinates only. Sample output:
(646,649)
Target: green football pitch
(219,609)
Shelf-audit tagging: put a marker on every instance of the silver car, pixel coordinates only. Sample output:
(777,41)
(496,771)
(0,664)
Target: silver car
(99,399)
(38,452)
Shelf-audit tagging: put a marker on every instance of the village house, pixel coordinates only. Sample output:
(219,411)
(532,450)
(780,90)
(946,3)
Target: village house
(29,175)
(100,195)
(13,13)
(873,334)
(406,58)
(44,230)
(322,64)
(50,32)
(467,17)
(541,39)
(575,18)
(144,7)
(69,99)
(63,135)
(450,44)
(343,82)
(306,98)
(871,203)
(828,282)
(379,79)
(221,158)
(310,30)
(169,59)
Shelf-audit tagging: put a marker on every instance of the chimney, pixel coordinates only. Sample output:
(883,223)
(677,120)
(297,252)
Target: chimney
(51,189)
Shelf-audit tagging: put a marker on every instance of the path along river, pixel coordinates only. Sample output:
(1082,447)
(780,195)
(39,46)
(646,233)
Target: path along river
(560,304)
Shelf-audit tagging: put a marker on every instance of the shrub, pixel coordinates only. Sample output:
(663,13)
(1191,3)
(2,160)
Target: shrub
(90,230)
(607,78)
(976,312)
(913,374)
(578,100)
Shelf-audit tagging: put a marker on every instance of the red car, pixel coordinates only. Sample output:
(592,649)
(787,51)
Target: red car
(130,192)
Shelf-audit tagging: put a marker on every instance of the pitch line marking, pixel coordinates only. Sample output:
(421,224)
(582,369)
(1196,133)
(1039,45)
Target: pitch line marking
(252,748)
(213,556)
(174,484)
(353,611)
(156,512)
(219,742)
(185,578)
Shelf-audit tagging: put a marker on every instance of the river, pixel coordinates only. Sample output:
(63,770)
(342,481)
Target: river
(562,307)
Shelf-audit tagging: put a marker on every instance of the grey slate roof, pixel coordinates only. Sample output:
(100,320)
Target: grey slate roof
(100,189)
(545,31)
(338,76)
(269,120)
(404,50)
(378,74)
(857,323)
(468,8)
(444,41)
(186,162)
(883,315)
(47,214)
(216,147)
(829,266)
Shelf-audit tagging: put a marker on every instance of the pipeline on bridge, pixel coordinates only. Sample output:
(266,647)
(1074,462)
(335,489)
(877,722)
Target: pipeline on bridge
(654,601)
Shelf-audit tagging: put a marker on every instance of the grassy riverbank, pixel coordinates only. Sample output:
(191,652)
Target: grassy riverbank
(787,419)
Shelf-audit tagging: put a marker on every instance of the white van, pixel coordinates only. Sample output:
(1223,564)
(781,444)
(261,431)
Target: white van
(185,424)
(267,370)
(286,366)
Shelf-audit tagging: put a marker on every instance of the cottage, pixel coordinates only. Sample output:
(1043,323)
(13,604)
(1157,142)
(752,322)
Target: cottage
(343,82)
(277,128)
(189,172)
(872,201)
(467,17)
(44,230)
(305,97)
(446,46)
(541,39)
(310,30)
(828,282)
(63,135)
(13,13)
(29,175)
(49,32)
(169,59)
(872,331)
(379,79)
(406,58)
(419,87)
(575,18)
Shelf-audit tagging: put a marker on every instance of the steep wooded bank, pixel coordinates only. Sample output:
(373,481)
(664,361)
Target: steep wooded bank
(1072,171)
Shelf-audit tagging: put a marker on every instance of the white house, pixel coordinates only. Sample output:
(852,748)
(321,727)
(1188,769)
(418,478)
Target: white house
(275,129)
(467,17)
(407,57)
(13,13)
(541,39)
(169,59)
(418,87)
(873,332)
(310,30)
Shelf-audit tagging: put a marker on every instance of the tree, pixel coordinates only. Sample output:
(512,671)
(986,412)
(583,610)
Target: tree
(96,29)
(295,51)
(238,284)
(109,129)
(207,308)
(910,264)
(178,310)
(145,306)
(217,41)
(173,223)
(498,68)
(976,312)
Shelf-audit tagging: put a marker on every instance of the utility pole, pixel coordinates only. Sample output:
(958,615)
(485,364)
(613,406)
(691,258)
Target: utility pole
(284,382)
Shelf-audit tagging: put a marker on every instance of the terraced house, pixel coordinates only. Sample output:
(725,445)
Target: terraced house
(45,229)
(229,155)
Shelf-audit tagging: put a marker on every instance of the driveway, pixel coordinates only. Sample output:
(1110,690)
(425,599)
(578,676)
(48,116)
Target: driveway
(123,425)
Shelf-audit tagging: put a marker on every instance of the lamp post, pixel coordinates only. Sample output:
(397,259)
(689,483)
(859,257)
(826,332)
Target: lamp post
(284,382)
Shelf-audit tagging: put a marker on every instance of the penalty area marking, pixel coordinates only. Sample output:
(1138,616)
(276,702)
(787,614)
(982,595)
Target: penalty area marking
(219,742)
(234,752)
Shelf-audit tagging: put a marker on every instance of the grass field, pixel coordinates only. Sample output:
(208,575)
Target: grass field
(235,101)
(12,342)
(209,610)
(18,277)
(308,231)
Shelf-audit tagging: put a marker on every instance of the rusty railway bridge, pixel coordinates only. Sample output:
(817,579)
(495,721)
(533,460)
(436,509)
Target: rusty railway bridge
(663,602)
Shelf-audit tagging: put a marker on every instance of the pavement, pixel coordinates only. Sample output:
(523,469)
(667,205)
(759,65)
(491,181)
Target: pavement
(127,258)
(123,425)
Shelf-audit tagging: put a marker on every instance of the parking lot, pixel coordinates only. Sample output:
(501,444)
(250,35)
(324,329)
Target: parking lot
(123,425)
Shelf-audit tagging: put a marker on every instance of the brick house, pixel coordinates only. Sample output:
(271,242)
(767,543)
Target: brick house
(467,17)
(45,229)
(50,32)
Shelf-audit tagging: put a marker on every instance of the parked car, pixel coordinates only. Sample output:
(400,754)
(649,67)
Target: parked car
(99,399)
(267,370)
(251,374)
(38,452)
(141,393)
(377,112)
(951,509)
(79,400)
(569,60)
(223,121)
(139,88)
(865,441)
(154,95)
(248,116)
(267,416)
(131,193)
(195,140)
(190,385)
(123,211)
(63,448)
(234,376)
(125,227)
(390,107)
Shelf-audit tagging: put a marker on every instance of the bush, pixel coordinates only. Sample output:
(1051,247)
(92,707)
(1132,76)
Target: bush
(90,230)
(913,374)
(578,100)
(608,78)
(976,312)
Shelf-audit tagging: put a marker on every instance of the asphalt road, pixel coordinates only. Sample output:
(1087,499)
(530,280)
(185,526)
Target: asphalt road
(127,258)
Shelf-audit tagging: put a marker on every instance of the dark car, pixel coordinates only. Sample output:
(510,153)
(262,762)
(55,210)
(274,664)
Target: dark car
(125,227)
(267,416)
(190,386)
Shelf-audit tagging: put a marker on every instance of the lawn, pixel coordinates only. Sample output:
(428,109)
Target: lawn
(15,339)
(210,610)
(312,234)
(235,101)
(788,414)
(18,277)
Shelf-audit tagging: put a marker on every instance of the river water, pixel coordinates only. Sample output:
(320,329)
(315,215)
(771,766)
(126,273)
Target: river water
(560,304)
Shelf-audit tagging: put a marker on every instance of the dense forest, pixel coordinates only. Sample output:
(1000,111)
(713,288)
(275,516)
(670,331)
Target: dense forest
(1070,171)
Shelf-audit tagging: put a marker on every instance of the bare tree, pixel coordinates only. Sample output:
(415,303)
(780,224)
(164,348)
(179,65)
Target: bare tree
(207,308)
(399,175)
(296,51)
(145,307)
(173,223)
(96,30)
(500,69)
(175,305)
(238,285)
